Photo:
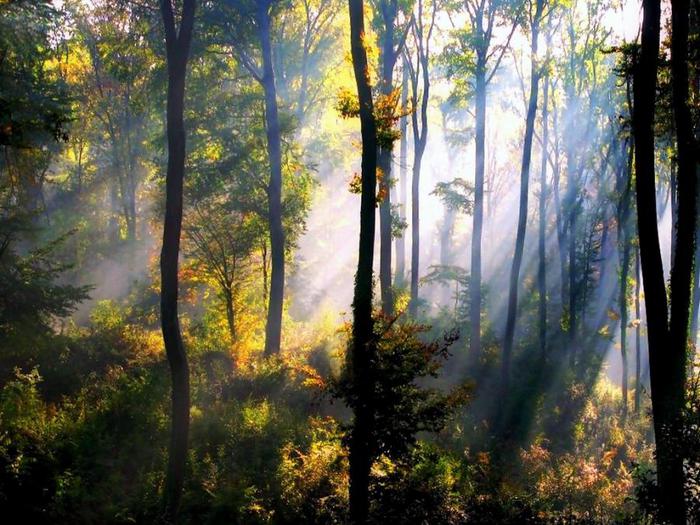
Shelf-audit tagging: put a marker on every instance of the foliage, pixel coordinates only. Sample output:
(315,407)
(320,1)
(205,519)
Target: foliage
(456,195)
(404,406)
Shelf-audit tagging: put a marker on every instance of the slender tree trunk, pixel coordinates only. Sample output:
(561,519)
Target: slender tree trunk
(624,269)
(559,212)
(478,217)
(415,226)
(386,291)
(571,213)
(420,139)
(361,356)
(177,46)
(572,288)
(667,377)
(400,275)
(522,216)
(273,327)
(542,265)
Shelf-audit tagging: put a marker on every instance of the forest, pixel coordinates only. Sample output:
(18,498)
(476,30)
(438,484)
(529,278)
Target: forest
(349,262)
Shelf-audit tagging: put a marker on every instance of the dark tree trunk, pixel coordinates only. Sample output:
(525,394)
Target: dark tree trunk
(362,351)
(542,246)
(666,365)
(682,269)
(230,314)
(177,46)
(522,216)
(478,218)
(273,327)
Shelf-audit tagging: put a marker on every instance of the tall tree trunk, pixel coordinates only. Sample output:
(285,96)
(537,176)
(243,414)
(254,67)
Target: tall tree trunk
(273,327)
(666,365)
(362,351)
(682,269)
(400,275)
(177,47)
(559,215)
(386,291)
(522,216)
(572,288)
(571,212)
(388,60)
(478,217)
(419,148)
(420,139)
(542,246)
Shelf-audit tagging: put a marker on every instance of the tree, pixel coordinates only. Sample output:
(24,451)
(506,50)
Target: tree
(273,327)
(624,191)
(422,33)
(402,201)
(535,73)
(258,17)
(542,229)
(34,102)
(115,98)
(666,361)
(363,347)
(477,39)
(177,44)
(387,12)
(223,241)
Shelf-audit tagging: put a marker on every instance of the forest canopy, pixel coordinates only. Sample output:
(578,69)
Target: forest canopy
(349,262)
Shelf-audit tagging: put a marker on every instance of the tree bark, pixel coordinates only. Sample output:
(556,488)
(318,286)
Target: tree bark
(177,47)
(362,351)
(273,327)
